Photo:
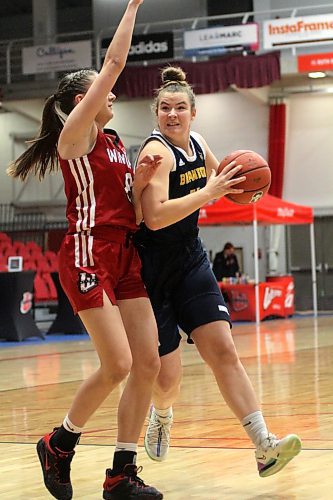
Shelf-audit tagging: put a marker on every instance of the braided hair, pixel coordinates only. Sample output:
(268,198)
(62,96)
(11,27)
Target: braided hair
(41,154)
(173,80)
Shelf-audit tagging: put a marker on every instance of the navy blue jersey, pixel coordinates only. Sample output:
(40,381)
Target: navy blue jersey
(187,175)
(172,246)
(175,269)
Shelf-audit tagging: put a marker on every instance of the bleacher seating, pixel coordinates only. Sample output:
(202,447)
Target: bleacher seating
(33,259)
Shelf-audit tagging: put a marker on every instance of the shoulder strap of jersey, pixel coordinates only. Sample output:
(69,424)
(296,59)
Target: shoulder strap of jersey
(157,136)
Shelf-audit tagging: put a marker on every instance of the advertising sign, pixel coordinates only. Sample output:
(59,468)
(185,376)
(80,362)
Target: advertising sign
(293,31)
(56,57)
(220,39)
(315,62)
(146,47)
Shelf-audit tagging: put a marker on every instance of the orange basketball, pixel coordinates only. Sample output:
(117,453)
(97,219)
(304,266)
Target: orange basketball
(257,172)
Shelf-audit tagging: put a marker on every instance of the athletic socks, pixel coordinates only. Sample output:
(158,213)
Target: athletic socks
(67,436)
(255,426)
(125,453)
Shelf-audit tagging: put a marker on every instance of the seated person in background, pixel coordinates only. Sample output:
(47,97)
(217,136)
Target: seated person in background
(225,263)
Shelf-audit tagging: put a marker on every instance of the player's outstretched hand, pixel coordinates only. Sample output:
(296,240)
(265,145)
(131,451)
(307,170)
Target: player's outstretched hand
(146,169)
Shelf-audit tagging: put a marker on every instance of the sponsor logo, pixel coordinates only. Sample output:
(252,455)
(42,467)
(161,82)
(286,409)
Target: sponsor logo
(150,47)
(26,302)
(289,300)
(240,301)
(285,212)
(147,47)
(270,295)
(87,282)
(256,197)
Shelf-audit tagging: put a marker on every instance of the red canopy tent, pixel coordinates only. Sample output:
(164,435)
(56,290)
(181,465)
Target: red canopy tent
(269,210)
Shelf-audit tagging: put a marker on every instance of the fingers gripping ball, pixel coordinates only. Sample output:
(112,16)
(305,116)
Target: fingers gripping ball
(257,172)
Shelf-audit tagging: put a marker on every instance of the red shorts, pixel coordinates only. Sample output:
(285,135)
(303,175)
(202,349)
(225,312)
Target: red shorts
(89,264)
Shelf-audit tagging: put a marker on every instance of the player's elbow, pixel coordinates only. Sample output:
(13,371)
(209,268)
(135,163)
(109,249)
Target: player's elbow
(153,223)
(115,64)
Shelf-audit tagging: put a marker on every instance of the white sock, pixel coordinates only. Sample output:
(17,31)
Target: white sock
(165,413)
(255,426)
(70,427)
(126,447)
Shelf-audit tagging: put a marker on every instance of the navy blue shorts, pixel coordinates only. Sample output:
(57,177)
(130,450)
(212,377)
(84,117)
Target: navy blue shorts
(195,299)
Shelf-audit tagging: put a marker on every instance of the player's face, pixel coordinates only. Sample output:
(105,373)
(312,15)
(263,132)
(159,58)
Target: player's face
(106,112)
(174,115)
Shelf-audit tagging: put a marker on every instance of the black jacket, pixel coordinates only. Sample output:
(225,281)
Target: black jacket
(225,267)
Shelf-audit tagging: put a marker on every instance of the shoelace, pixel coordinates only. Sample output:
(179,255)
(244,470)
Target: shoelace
(270,442)
(131,471)
(156,427)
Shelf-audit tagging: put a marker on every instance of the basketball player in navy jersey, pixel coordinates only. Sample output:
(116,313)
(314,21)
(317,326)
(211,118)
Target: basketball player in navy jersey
(99,266)
(181,285)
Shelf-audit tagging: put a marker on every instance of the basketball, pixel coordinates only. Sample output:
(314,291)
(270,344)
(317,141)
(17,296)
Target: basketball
(257,172)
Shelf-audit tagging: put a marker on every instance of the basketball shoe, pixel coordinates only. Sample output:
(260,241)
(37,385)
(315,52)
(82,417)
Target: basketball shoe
(56,466)
(157,437)
(126,485)
(273,454)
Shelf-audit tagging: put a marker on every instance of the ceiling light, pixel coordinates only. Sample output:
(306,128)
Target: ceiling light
(317,74)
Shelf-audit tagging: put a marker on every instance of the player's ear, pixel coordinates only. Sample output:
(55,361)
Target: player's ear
(78,98)
(193,113)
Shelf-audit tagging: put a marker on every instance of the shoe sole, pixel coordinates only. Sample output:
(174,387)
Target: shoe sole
(287,453)
(109,496)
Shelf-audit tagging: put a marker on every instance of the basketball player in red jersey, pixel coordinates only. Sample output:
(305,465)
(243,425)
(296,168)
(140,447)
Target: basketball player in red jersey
(98,265)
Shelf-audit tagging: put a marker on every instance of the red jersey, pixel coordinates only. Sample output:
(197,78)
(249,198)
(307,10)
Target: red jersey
(97,187)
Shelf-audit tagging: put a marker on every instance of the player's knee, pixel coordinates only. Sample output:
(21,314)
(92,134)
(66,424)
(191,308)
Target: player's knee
(223,353)
(148,367)
(116,371)
(168,382)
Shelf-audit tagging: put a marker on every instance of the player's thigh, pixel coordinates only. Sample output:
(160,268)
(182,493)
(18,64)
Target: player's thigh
(106,330)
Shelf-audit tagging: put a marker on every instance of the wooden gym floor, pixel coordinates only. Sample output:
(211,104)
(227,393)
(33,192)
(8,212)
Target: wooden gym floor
(290,363)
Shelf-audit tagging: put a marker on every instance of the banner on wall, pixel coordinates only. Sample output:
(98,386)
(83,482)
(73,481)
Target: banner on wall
(221,39)
(295,31)
(315,62)
(146,47)
(56,57)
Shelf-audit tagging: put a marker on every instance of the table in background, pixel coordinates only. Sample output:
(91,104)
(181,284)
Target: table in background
(16,301)
(276,299)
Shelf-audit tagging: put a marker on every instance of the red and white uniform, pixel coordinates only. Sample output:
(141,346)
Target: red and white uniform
(97,253)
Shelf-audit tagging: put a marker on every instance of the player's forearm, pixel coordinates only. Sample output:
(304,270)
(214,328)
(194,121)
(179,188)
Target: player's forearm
(118,49)
(171,211)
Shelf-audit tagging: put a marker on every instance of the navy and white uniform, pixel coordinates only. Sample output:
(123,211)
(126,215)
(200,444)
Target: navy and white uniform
(175,268)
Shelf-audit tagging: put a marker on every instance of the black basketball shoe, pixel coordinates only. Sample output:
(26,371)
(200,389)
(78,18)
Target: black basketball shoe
(126,485)
(56,466)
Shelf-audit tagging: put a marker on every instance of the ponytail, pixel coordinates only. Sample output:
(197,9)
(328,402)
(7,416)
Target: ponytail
(42,151)
(41,155)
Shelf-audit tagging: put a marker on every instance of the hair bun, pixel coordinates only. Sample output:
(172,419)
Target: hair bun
(172,74)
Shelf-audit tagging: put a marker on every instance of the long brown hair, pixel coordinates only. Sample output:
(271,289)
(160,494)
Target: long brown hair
(41,155)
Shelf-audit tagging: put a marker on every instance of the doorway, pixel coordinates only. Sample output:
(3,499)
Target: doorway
(299,256)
